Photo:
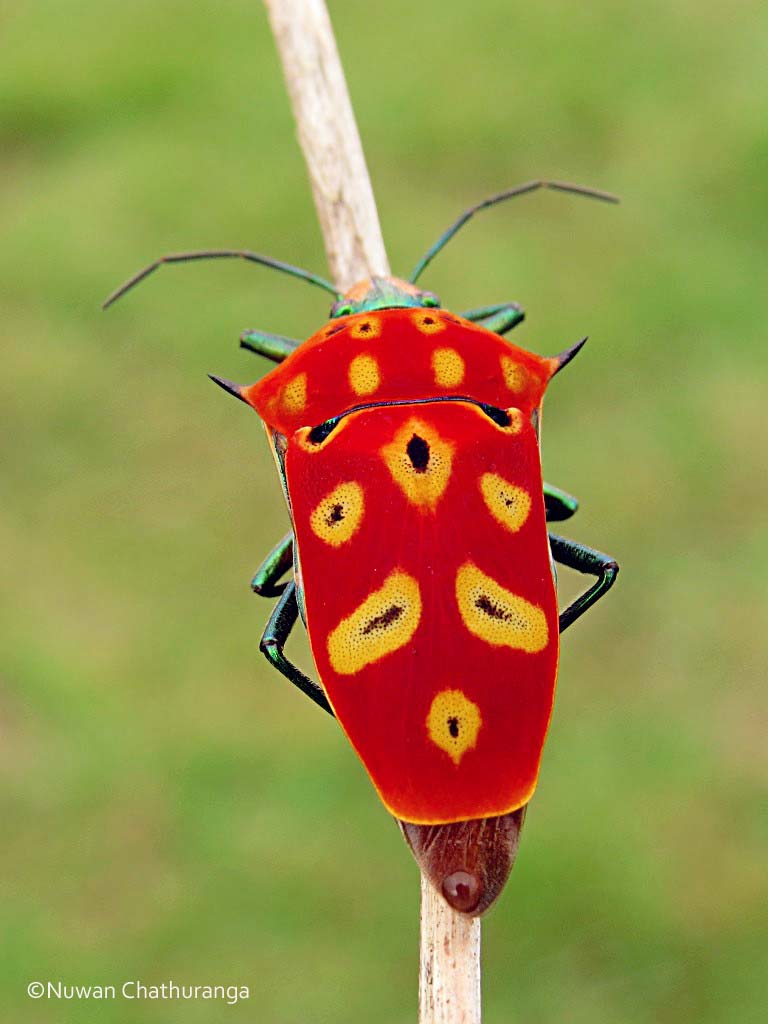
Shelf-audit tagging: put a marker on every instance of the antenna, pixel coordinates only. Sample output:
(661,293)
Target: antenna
(512,193)
(217,254)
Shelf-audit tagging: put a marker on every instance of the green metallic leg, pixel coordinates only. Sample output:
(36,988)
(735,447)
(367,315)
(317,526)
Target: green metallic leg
(281,622)
(499,319)
(272,346)
(276,564)
(558,504)
(583,559)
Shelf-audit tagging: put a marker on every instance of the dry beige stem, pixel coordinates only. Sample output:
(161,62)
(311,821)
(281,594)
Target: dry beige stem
(449,970)
(449,965)
(329,139)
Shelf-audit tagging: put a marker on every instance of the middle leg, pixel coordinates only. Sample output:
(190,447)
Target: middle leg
(276,564)
(588,560)
(559,504)
(279,627)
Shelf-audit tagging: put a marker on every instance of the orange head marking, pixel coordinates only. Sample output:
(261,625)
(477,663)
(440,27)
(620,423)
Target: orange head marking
(382,293)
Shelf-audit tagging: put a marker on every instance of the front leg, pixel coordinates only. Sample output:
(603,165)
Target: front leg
(281,622)
(499,319)
(272,346)
(276,564)
(583,559)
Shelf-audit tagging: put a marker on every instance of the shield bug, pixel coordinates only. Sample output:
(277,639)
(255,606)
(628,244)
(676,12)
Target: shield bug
(406,439)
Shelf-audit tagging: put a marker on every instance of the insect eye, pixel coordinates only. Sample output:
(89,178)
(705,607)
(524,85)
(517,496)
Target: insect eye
(343,310)
(430,300)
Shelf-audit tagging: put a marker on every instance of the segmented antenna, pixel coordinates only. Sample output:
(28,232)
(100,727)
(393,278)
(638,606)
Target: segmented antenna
(217,254)
(519,190)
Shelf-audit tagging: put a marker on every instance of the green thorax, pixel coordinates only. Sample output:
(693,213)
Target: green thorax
(382,293)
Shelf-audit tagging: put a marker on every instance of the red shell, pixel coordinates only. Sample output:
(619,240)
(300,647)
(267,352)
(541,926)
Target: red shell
(444,683)
(392,355)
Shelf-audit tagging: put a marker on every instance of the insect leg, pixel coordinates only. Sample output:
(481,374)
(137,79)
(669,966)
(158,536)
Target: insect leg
(499,319)
(559,504)
(272,346)
(583,559)
(276,564)
(281,622)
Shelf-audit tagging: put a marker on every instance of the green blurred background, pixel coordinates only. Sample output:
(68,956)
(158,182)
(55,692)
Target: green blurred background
(170,808)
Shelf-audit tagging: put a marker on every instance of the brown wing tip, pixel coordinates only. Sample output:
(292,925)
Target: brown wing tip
(468,862)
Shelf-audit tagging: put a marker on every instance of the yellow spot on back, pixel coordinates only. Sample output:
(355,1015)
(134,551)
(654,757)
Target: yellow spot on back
(516,420)
(337,517)
(294,394)
(515,376)
(383,623)
(448,367)
(367,327)
(364,377)
(498,616)
(419,460)
(428,323)
(453,723)
(509,504)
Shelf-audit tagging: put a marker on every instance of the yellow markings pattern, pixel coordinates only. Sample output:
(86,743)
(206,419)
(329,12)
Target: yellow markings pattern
(383,623)
(293,397)
(498,616)
(369,327)
(453,723)
(515,376)
(364,376)
(516,420)
(448,367)
(428,323)
(423,487)
(337,517)
(509,504)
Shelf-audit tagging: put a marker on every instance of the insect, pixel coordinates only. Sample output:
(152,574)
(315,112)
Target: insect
(406,440)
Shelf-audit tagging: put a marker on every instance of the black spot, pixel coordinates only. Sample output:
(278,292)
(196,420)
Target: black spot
(428,320)
(485,604)
(497,415)
(335,515)
(453,727)
(364,328)
(334,330)
(385,619)
(417,451)
(318,434)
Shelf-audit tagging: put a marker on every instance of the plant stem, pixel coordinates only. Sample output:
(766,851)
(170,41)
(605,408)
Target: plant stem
(449,966)
(329,140)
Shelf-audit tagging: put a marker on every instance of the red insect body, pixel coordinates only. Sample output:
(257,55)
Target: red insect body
(439,651)
(421,549)
(395,355)
(407,442)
